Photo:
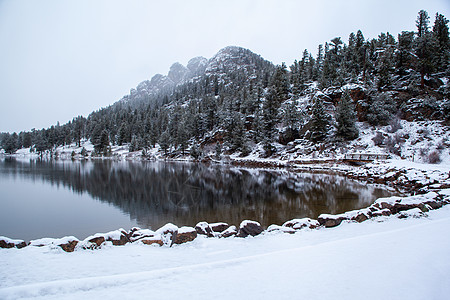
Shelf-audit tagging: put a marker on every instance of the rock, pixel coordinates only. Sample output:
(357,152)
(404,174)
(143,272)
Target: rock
(117,237)
(384,212)
(361,217)
(97,240)
(184,235)
(414,213)
(119,242)
(284,229)
(229,232)
(204,228)
(249,228)
(398,207)
(152,241)
(11,243)
(166,229)
(302,223)
(434,204)
(330,221)
(67,243)
(21,245)
(167,233)
(219,227)
(139,234)
(69,246)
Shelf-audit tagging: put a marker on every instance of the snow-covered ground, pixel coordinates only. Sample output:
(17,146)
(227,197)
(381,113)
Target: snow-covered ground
(387,258)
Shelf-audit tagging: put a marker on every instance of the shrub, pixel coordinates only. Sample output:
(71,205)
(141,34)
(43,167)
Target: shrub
(195,152)
(378,139)
(434,157)
(394,125)
(381,110)
(393,144)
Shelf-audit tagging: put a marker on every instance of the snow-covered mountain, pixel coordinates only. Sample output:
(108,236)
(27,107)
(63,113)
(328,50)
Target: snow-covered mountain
(223,66)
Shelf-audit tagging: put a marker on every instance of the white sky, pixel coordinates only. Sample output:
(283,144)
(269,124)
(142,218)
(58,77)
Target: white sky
(60,59)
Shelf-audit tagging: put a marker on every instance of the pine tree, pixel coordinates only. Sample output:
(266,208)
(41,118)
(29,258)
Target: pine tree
(27,141)
(426,47)
(346,118)
(320,121)
(164,141)
(422,23)
(441,33)
(382,110)
(280,83)
(182,137)
(385,68)
(270,115)
(405,50)
(9,143)
(134,145)
(102,146)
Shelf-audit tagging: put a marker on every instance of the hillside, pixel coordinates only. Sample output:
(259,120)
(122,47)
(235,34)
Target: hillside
(387,94)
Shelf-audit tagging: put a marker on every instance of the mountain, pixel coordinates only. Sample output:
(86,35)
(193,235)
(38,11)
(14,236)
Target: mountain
(387,94)
(229,63)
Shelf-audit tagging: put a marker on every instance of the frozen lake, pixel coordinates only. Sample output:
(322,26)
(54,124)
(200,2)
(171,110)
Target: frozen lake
(48,198)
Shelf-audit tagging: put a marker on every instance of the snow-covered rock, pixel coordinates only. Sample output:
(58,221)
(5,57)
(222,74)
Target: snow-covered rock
(248,227)
(184,234)
(302,223)
(6,242)
(67,243)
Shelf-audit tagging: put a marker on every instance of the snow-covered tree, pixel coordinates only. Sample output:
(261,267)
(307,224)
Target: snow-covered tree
(320,121)
(346,118)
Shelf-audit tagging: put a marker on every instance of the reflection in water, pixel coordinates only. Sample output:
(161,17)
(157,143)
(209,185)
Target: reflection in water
(154,193)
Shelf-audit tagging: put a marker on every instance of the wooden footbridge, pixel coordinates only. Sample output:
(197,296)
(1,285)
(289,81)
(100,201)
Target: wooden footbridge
(359,158)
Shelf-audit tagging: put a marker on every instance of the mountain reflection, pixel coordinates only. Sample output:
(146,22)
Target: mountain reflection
(154,193)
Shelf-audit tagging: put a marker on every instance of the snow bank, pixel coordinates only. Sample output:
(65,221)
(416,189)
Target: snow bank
(395,259)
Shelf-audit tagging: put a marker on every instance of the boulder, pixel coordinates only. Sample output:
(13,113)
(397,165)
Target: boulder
(434,204)
(229,232)
(249,228)
(169,228)
(139,234)
(330,221)
(11,243)
(398,207)
(184,235)
(167,233)
(360,217)
(278,228)
(69,246)
(117,237)
(383,212)
(152,241)
(96,240)
(414,213)
(302,223)
(67,243)
(204,228)
(219,227)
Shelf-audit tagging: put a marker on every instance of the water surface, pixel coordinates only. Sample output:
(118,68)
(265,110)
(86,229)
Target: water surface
(48,198)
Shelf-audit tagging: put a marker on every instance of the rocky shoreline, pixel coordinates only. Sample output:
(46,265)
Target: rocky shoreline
(429,189)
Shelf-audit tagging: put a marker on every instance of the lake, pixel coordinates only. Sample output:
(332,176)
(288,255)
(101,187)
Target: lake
(50,198)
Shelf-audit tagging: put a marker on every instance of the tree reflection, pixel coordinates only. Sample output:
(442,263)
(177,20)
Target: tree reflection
(155,193)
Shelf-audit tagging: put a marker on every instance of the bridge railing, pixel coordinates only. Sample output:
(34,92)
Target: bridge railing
(365,156)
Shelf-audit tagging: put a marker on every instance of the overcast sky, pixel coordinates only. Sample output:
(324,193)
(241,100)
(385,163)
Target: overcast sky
(60,59)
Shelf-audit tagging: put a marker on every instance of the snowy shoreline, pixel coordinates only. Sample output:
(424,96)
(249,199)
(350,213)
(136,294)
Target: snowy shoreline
(401,244)
(411,178)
